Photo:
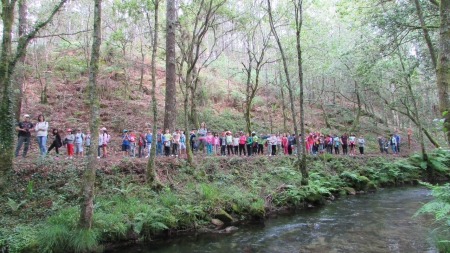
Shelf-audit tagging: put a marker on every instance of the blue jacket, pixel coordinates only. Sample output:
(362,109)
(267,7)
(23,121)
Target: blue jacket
(148,137)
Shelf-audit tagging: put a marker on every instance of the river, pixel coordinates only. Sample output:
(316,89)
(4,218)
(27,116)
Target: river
(373,222)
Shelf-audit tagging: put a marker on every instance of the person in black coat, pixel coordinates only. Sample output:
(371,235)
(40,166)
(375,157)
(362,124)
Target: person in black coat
(57,143)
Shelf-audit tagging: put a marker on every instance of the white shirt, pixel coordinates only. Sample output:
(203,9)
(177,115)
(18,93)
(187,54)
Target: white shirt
(42,125)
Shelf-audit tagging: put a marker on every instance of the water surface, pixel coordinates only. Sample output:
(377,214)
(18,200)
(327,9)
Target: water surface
(374,222)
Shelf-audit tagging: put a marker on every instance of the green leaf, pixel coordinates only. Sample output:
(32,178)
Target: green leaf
(444,113)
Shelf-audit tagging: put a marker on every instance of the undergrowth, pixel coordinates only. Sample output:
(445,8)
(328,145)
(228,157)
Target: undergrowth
(40,212)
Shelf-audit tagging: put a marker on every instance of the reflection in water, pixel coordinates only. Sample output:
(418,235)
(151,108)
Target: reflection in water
(379,222)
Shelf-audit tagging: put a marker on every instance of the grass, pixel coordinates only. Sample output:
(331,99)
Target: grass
(126,208)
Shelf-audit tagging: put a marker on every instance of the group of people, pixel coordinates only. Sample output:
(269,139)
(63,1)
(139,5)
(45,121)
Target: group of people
(392,141)
(76,142)
(223,143)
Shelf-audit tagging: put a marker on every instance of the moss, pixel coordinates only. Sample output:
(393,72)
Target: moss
(349,190)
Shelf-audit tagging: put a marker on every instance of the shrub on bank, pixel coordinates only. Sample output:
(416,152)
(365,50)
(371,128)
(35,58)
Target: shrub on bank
(230,188)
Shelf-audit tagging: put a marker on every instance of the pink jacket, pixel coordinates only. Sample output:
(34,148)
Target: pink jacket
(209,139)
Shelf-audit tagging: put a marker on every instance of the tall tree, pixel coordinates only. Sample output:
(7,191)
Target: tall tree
(8,63)
(151,173)
(256,45)
(19,77)
(87,201)
(300,145)
(443,65)
(170,113)
(299,162)
(190,45)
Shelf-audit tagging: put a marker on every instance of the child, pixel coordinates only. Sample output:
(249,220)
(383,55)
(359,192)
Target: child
(242,141)
(209,142)
(273,143)
(254,144)
(125,142)
(87,142)
(142,143)
(361,143)
(159,142)
(132,138)
(352,141)
(56,143)
(148,141)
(236,143)
(229,139)
(337,143)
(223,143)
(182,143)
(105,139)
(175,142)
(216,143)
(167,141)
(249,142)
(69,140)
(192,141)
(79,138)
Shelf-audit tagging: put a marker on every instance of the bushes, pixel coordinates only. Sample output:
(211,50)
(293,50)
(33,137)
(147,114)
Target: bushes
(127,209)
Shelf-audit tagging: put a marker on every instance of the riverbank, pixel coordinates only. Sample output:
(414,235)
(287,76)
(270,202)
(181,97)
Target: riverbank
(40,212)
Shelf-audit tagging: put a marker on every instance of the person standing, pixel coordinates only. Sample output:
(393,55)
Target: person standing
(242,140)
(344,139)
(273,142)
(393,143)
(201,134)
(69,139)
(236,143)
(167,142)
(361,143)
(148,141)
(41,129)
(24,135)
(57,143)
(79,138)
(159,142)
(249,143)
(182,149)
(104,144)
(132,138)
(381,143)
(125,142)
(176,142)
(397,142)
(87,141)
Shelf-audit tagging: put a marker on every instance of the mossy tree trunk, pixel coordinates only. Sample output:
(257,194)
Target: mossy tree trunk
(8,64)
(151,172)
(443,65)
(20,76)
(87,201)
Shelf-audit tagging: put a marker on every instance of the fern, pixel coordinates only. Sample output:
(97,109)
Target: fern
(14,205)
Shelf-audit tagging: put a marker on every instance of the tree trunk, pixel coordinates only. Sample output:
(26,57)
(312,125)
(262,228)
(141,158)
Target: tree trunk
(170,113)
(151,172)
(20,77)
(283,108)
(6,124)
(426,34)
(87,201)
(443,65)
(300,162)
(359,109)
(300,146)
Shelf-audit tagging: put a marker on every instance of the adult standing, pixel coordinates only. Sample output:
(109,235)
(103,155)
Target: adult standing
(344,139)
(104,143)
(361,143)
(24,135)
(397,142)
(41,130)
(201,134)
(409,131)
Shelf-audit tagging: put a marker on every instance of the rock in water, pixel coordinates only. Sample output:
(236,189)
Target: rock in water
(230,229)
(223,216)
(217,222)
(350,190)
